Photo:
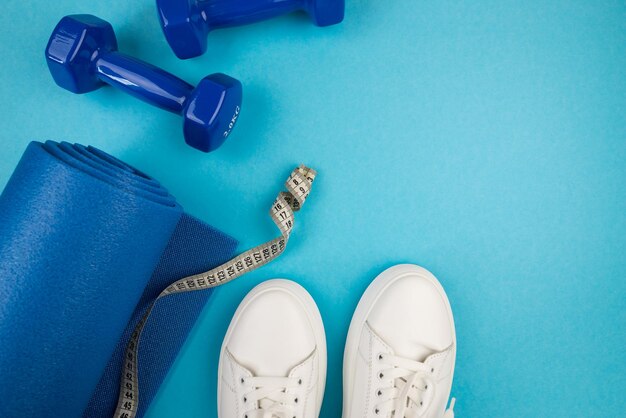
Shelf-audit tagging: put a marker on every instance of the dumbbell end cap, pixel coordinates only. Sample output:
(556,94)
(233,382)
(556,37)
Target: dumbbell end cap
(212,110)
(183,26)
(73,45)
(327,12)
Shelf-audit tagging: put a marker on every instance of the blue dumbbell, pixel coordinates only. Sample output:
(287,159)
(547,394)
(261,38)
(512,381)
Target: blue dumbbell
(186,23)
(82,56)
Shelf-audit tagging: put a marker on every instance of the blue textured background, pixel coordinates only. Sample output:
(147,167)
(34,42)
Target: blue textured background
(483,140)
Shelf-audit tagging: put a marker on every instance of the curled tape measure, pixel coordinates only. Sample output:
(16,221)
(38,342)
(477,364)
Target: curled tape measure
(298,187)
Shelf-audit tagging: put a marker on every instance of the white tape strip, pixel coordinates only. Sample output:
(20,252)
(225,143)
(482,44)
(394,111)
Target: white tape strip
(282,212)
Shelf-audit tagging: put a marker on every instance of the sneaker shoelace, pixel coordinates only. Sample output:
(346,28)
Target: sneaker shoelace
(412,391)
(270,397)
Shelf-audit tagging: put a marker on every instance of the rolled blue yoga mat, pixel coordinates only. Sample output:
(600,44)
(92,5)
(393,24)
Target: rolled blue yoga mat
(86,243)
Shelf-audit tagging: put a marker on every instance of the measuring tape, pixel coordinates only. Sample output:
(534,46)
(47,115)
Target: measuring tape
(298,187)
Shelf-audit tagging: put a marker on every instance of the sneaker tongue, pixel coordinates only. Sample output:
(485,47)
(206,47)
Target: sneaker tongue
(405,342)
(414,351)
(273,369)
(265,403)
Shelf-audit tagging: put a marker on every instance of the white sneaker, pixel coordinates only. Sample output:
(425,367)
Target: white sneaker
(273,359)
(401,348)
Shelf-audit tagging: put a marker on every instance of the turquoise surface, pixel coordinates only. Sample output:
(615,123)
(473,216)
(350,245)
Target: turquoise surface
(485,141)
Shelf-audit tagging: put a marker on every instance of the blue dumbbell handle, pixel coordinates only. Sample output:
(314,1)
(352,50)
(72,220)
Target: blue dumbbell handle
(143,80)
(224,13)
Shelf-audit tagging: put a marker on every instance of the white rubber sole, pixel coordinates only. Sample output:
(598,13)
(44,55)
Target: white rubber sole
(369,298)
(313,315)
